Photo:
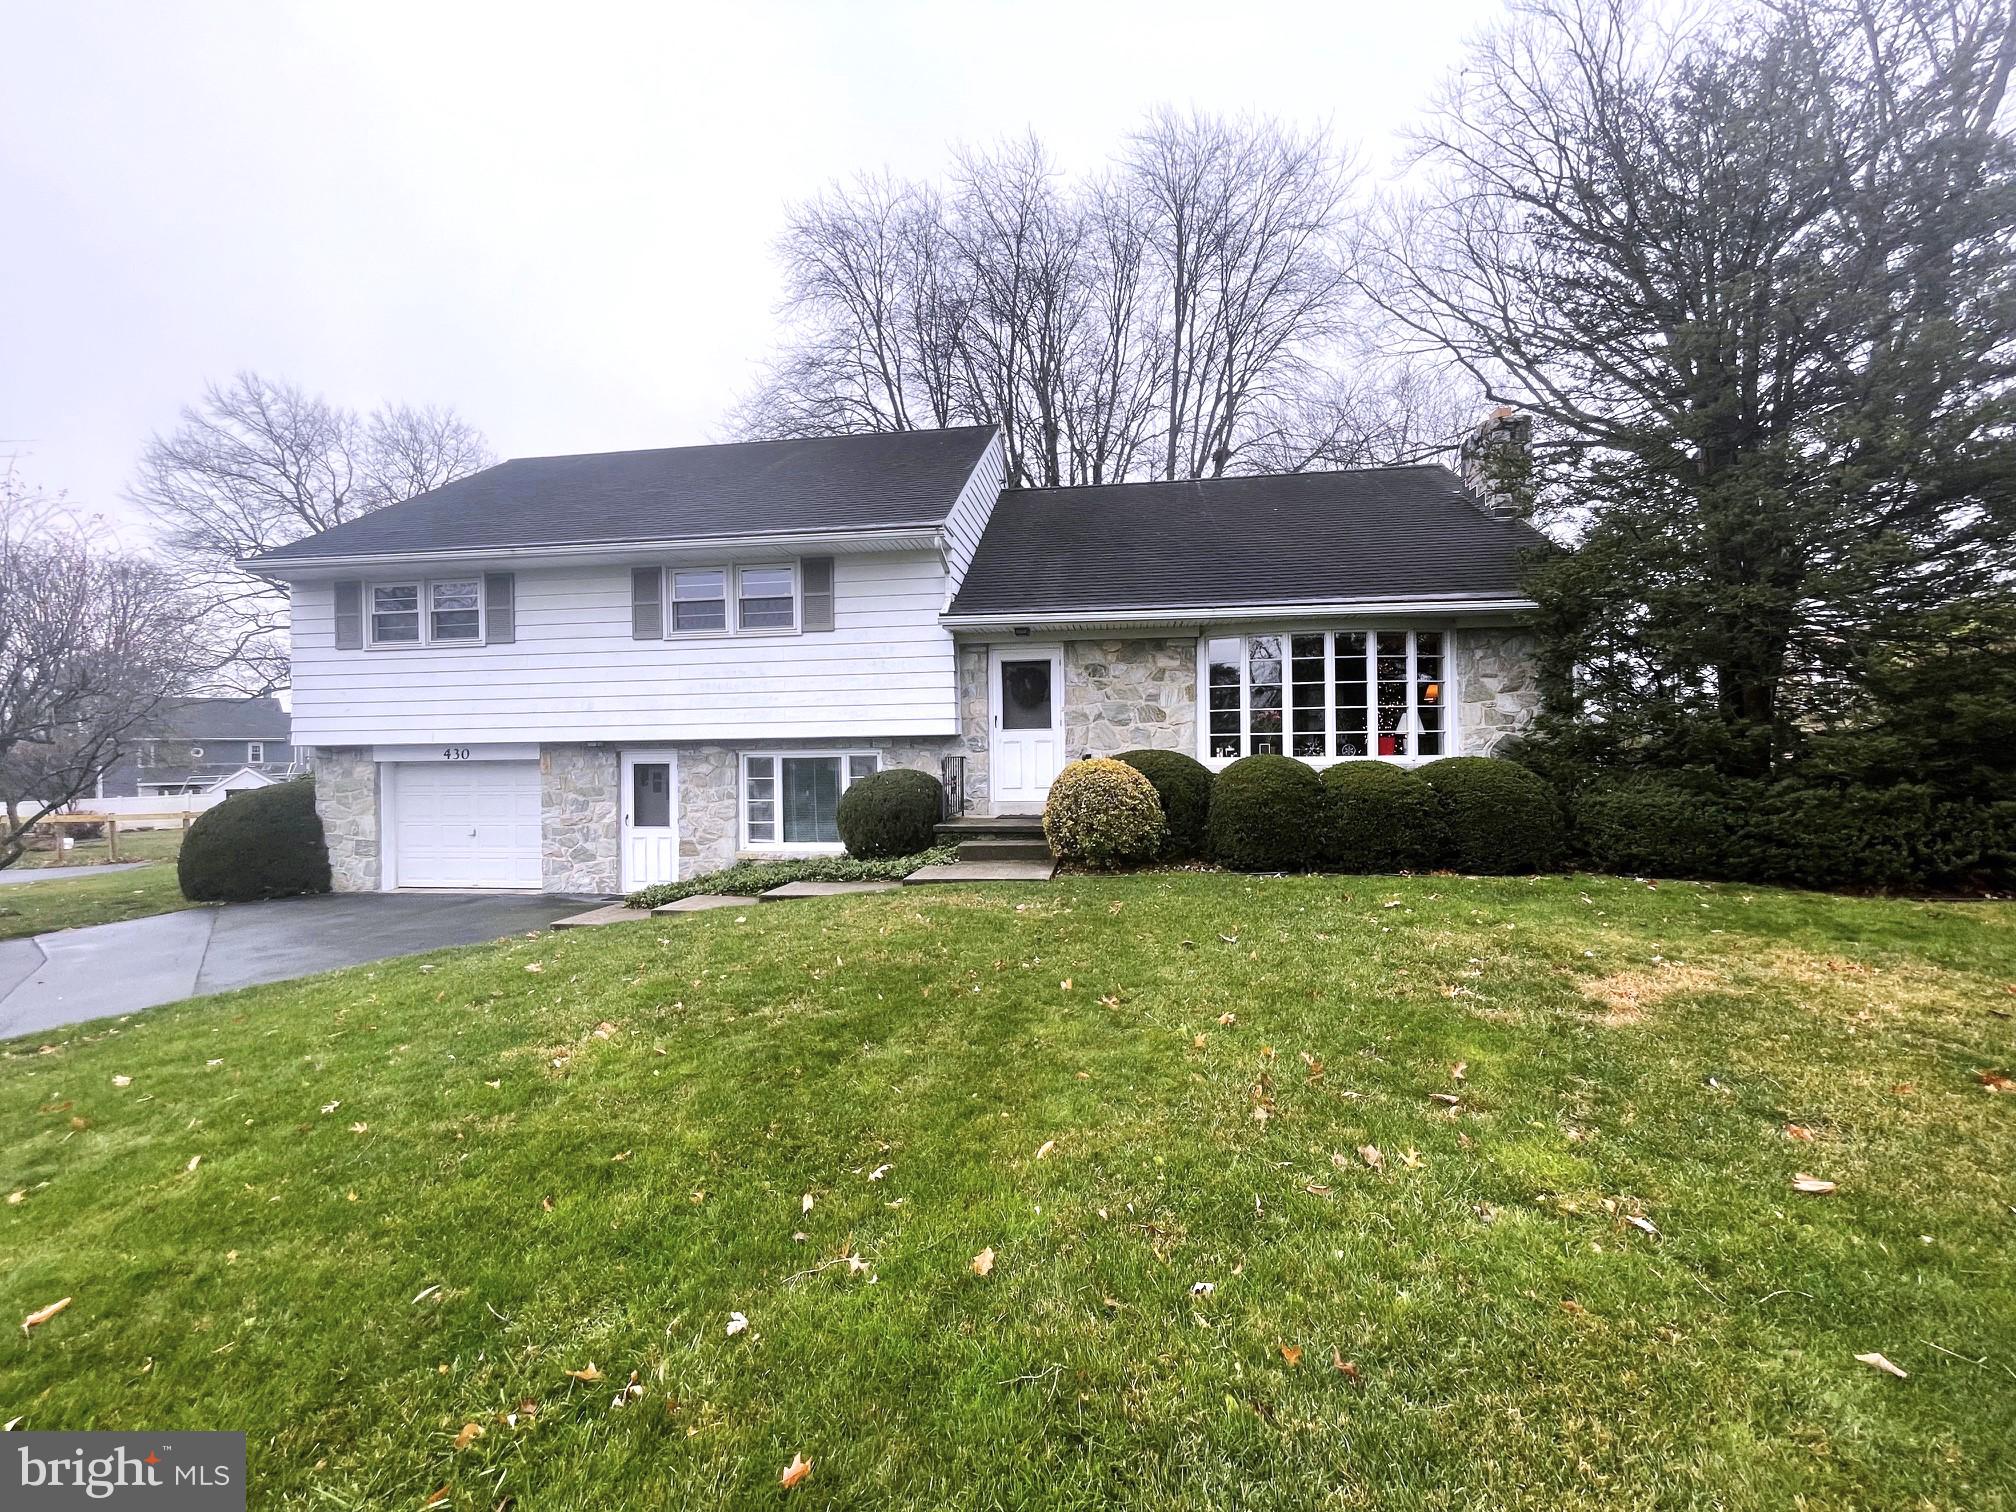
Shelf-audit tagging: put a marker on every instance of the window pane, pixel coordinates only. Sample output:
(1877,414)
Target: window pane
(1025,695)
(811,799)
(862,766)
(1222,665)
(762,795)
(700,616)
(457,613)
(1263,695)
(1429,690)
(651,795)
(1348,652)
(700,599)
(1390,664)
(768,599)
(1308,696)
(395,613)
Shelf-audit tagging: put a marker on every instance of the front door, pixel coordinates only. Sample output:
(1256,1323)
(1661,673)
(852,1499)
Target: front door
(1028,736)
(650,820)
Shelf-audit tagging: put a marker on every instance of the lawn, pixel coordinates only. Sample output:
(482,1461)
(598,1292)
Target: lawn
(1306,1192)
(31,908)
(134,845)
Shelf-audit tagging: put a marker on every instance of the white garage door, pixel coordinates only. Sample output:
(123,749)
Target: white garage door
(466,823)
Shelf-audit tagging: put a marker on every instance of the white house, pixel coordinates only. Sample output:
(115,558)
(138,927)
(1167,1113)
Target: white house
(588,674)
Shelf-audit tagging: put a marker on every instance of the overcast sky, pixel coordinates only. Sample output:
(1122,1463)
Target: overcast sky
(556,218)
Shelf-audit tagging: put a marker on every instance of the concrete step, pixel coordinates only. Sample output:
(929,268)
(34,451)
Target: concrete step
(612,913)
(999,827)
(701,902)
(983,871)
(1005,850)
(825,889)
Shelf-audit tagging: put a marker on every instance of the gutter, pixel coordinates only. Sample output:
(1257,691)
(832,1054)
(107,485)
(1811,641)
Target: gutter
(1215,613)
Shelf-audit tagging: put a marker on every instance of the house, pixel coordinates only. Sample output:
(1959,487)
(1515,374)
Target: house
(196,745)
(591,673)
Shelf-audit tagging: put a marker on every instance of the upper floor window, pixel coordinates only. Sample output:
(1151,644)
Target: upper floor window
(255,753)
(1325,695)
(766,598)
(443,611)
(699,599)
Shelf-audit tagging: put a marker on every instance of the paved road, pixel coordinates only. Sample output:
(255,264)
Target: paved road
(77,974)
(15,875)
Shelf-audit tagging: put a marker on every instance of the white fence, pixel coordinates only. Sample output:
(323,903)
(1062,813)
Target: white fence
(153,810)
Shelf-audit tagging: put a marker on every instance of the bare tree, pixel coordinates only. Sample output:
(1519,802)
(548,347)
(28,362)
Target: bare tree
(91,641)
(1185,314)
(260,463)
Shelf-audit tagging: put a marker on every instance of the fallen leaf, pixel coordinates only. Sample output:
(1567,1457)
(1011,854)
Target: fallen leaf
(736,1324)
(1996,1081)
(1411,1159)
(1877,1361)
(1197,1042)
(534,966)
(1641,1223)
(423,1296)
(1371,1156)
(1227,1020)
(1448,1099)
(15,1199)
(1346,1368)
(122,1081)
(1799,1132)
(360,1128)
(1457,1071)
(331,1107)
(43,1314)
(440,1495)
(878,1173)
(1570,1305)
(805,1203)
(587,1372)
(469,1434)
(1065,985)
(796,1471)
(1292,1353)
(983,1263)
(1045,1148)
(545,1204)
(613,1159)
(1811,1185)
(194,1161)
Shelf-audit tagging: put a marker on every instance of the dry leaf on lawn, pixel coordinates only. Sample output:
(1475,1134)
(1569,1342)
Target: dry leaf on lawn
(736,1324)
(15,1199)
(122,1081)
(194,1161)
(587,1372)
(878,1173)
(1877,1361)
(1448,1099)
(1197,1041)
(805,1203)
(440,1495)
(1457,1071)
(1045,1148)
(1642,1223)
(469,1434)
(1812,1185)
(1799,1132)
(1996,1081)
(983,1263)
(796,1471)
(1292,1353)
(42,1315)
(1371,1156)
(423,1296)
(1346,1368)
(1227,1020)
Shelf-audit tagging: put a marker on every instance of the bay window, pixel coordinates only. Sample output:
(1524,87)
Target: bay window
(791,800)
(1326,695)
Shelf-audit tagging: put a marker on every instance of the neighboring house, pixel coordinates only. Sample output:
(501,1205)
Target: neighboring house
(587,674)
(195,745)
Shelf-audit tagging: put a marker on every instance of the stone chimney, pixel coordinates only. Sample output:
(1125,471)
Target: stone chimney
(1496,463)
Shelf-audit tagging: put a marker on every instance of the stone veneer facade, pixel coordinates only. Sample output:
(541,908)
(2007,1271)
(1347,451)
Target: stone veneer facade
(1497,687)
(580,818)
(346,800)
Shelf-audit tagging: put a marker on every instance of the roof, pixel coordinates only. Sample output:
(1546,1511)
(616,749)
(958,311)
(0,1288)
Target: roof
(825,483)
(221,719)
(1282,538)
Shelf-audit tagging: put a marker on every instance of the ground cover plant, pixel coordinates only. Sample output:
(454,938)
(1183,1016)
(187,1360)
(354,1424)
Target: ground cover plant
(753,877)
(1156,1190)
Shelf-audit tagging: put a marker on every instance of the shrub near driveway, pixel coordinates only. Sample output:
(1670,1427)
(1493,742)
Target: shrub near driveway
(444,1250)
(266,843)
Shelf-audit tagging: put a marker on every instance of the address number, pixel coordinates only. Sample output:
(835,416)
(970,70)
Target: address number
(454,753)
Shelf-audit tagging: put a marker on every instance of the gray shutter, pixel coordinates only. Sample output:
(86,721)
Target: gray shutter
(815,609)
(647,606)
(500,608)
(349,615)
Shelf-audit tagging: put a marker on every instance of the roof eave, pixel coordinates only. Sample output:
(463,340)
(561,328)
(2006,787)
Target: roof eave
(1451,606)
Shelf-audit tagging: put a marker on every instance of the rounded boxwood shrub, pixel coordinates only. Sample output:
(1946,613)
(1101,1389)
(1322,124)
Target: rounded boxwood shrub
(1380,818)
(266,843)
(1501,818)
(1266,815)
(1183,786)
(1103,813)
(890,813)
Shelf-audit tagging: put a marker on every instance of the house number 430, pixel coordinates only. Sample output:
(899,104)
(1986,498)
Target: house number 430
(454,753)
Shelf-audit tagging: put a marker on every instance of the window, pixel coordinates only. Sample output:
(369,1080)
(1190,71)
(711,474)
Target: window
(395,614)
(1326,695)
(766,598)
(150,754)
(792,800)
(255,753)
(699,599)
(455,610)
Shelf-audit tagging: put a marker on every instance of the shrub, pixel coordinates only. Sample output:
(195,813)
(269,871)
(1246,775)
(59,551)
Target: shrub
(1266,815)
(1501,818)
(1103,813)
(1380,818)
(263,844)
(753,877)
(1652,826)
(1888,837)
(1183,787)
(890,813)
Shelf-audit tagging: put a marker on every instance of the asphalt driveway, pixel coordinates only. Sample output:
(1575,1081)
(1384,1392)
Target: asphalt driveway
(76,974)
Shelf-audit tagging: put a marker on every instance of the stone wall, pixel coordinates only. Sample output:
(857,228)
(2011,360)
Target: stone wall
(974,725)
(1497,688)
(580,812)
(346,799)
(1121,695)
(710,789)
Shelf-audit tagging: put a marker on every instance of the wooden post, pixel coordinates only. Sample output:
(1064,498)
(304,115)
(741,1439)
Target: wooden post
(112,837)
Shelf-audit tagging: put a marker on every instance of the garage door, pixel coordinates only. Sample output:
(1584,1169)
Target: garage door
(466,823)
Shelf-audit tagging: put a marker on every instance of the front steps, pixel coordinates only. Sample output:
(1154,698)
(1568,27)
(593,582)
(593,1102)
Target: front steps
(1004,848)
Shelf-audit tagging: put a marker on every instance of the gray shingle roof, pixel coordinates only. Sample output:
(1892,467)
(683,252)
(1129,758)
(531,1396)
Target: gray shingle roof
(835,483)
(1288,538)
(221,719)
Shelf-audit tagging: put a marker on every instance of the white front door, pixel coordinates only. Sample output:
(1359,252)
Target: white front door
(650,820)
(1026,699)
(465,823)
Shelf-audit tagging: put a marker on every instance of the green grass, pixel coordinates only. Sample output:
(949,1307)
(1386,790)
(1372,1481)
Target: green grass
(429,1189)
(134,845)
(31,908)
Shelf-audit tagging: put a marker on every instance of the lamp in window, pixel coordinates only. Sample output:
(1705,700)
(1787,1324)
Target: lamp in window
(1431,693)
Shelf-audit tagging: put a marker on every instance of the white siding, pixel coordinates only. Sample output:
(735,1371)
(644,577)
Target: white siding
(963,526)
(574,673)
